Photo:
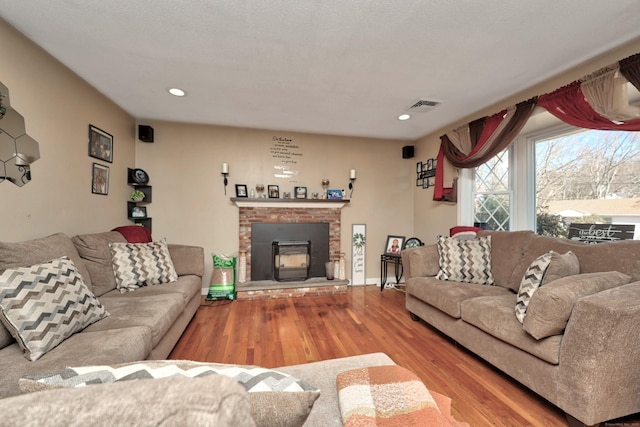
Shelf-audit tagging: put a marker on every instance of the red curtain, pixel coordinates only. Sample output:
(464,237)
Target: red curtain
(485,143)
(569,105)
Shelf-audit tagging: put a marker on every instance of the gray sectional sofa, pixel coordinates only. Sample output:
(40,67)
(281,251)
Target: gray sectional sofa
(579,345)
(144,324)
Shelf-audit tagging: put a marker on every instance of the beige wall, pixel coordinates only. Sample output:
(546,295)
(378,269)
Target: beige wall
(184,165)
(189,205)
(434,218)
(58,107)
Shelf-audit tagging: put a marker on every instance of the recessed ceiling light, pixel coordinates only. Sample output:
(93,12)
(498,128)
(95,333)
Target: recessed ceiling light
(177,92)
(404,117)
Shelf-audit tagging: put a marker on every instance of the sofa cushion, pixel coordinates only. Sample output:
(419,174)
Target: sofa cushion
(141,264)
(94,250)
(551,306)
(276,398)
(467,261)
(446,296)
(530,282)
(187,286)
(84,348)
(44,304)
(156,312)
(494,315)
(218,401)
(507,249)
(37,251)
(561,265)
(385,396)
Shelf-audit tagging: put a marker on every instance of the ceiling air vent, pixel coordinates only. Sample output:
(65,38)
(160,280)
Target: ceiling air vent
(424,105)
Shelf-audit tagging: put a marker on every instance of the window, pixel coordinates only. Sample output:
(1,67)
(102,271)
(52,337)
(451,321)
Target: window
(550,178)
(492,193)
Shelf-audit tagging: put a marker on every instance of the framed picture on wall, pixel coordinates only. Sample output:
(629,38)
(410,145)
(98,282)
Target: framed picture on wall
(100,179)
(100,144)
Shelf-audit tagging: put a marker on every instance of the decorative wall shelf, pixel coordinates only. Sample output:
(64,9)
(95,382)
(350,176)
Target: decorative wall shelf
(244,202)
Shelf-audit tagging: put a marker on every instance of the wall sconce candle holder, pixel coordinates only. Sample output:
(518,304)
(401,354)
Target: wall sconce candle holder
(352,179)
(225,174)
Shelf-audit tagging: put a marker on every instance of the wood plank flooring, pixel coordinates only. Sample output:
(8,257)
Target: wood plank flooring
(289,331)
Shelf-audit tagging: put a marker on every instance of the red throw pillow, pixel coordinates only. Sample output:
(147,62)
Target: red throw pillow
(135,233)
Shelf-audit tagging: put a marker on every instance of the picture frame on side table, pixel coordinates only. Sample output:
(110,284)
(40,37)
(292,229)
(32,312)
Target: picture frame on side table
(394,245)
(241,190)
(100,144)
(274,191)
(100,179)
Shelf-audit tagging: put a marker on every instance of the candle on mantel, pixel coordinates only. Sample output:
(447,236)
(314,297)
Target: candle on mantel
(352,174)
(225,167)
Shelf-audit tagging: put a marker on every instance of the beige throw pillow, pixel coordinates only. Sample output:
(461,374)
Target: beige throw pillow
(550,308)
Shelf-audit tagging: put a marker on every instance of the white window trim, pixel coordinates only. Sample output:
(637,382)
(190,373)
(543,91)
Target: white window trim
(522,215)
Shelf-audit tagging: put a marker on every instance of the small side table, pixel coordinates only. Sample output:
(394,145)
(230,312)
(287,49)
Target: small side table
(385,260)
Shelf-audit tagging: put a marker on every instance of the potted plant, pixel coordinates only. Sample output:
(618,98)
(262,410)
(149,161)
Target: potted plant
(137,195)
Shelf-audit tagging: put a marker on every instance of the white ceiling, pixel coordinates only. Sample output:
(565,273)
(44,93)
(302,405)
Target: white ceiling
(346,67)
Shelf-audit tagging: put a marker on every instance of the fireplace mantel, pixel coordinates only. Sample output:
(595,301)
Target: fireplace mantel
(244,202)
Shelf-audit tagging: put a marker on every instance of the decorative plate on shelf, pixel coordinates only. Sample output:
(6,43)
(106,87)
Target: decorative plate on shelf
(412,242)
(138,176)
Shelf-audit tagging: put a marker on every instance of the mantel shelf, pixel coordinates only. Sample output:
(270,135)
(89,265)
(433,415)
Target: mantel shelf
(244,202)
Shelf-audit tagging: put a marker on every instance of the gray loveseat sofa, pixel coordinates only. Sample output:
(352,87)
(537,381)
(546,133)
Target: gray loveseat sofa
(143,324)
(586,360)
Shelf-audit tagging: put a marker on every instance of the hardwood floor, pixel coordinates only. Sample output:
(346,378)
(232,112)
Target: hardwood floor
(278,332)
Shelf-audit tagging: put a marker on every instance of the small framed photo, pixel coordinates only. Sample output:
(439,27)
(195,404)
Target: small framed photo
(418,167)
(334,194)
(241,190)
(301,192)
(100,144)
(430,164)
(274,191)
(394,245)
(419,182)
(100,179)
(139,212)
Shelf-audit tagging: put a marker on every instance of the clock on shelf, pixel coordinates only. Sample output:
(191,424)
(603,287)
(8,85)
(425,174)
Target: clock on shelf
(138,177)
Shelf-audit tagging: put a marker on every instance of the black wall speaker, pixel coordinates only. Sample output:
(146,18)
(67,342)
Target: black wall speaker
(145,133)
(407,152)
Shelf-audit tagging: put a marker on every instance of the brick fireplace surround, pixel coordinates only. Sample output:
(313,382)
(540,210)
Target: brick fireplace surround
(284,211)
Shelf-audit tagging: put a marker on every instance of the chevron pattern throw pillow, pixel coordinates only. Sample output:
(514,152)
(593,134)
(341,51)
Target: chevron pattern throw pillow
(141,264)
(277,399)
(45,304)
(530,283)
(467,261)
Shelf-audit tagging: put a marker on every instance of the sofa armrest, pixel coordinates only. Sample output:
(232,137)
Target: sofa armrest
(599,369)
(420,262)
(187,259)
